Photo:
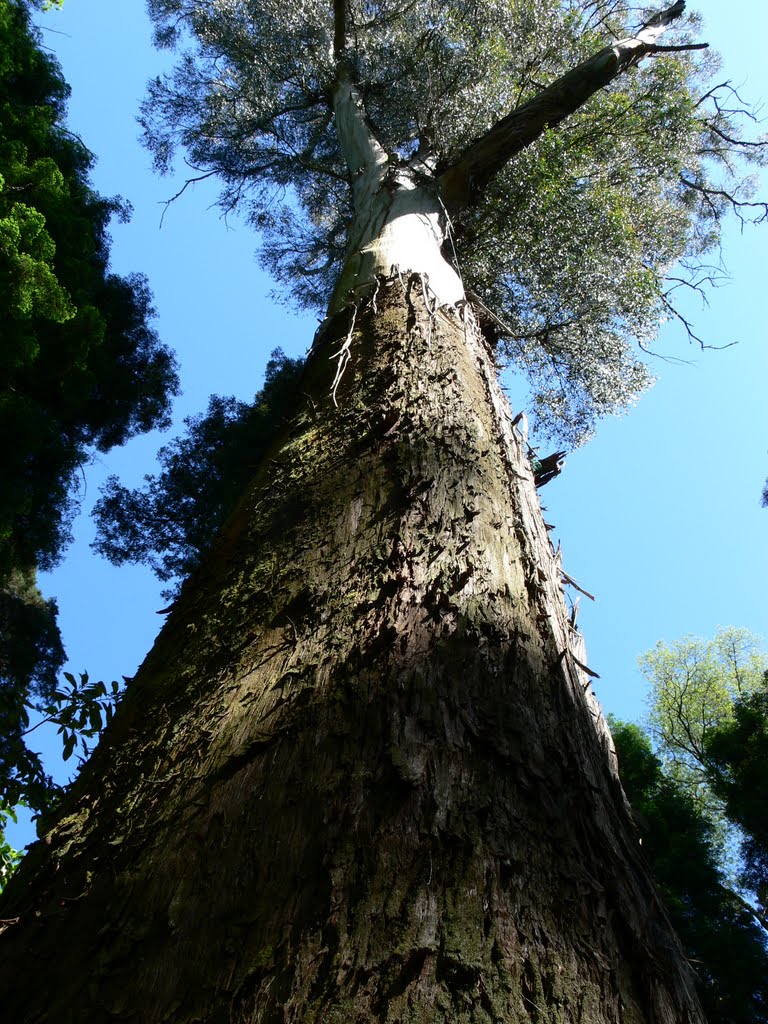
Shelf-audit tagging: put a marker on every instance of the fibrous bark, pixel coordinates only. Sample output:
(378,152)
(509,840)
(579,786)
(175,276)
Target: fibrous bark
(360,777)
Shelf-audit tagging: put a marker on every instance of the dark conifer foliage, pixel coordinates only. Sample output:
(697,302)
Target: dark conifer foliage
(173,520)
(81,369)
(80,365)
(720,937)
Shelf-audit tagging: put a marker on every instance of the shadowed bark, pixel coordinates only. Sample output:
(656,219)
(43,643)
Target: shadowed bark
(360,777)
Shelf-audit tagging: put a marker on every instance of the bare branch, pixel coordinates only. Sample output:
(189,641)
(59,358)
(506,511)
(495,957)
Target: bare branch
(363,153)
(679,48)
(182,190)
(726,86)
(692,336)
(761,918)
(737,205)
(339,29)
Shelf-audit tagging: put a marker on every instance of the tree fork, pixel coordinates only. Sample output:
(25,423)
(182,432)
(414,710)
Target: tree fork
(359,776)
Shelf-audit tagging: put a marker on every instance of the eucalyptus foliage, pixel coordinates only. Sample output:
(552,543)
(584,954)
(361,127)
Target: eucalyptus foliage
(577,244)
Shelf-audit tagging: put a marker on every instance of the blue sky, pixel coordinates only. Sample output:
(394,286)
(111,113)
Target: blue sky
(659,516)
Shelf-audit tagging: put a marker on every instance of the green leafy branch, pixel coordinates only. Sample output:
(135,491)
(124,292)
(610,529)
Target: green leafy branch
(81,710)
(9,856)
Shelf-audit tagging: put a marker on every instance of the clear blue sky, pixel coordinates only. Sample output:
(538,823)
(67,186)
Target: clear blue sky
(659,516)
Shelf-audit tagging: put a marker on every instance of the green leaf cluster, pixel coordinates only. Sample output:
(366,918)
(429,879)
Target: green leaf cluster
(9,857)
(724,945)
(80,710)
(31,656)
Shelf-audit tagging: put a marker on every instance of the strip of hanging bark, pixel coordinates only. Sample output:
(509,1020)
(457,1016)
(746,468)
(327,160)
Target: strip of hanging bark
(572,582)
(585,668)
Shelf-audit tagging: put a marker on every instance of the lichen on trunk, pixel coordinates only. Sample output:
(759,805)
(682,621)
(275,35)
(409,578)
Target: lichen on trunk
(360,776)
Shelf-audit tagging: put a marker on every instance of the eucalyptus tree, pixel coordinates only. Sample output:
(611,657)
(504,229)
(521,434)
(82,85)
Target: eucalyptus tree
(361,776)
(357,137)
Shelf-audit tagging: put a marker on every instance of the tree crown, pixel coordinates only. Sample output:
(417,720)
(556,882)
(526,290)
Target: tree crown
(572,243)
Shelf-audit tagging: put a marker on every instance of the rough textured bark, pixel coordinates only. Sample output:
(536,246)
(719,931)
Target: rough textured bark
(360,777)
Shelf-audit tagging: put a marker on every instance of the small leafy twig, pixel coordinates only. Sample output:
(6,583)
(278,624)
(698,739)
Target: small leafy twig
(80,710)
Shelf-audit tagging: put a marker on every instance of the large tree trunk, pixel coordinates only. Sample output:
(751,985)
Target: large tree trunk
(360,777)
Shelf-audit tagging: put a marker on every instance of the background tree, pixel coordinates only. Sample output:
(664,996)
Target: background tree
(360,776)
(81,366)
(694,686)
(737,769)
(708,714)
(684,853)
(81,369)
(174,519)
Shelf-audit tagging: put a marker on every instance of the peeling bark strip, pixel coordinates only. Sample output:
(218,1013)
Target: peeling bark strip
(355,780)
